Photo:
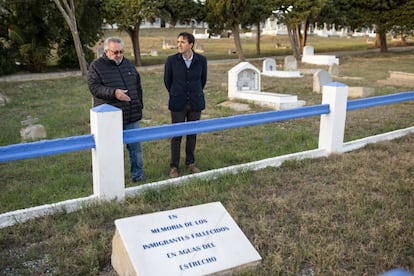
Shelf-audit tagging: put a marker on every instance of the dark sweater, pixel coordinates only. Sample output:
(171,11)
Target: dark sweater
(105,76)
(185,86)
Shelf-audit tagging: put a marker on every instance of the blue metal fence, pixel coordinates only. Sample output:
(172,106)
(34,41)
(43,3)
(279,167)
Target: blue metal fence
(380,100)
(75,143)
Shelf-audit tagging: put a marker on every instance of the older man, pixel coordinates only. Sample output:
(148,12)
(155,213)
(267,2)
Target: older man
(114,80)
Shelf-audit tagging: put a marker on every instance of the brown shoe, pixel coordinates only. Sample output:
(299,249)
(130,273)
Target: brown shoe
(193,169)
(174,172)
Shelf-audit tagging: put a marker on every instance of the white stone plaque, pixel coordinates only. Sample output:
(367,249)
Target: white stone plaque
(197,240)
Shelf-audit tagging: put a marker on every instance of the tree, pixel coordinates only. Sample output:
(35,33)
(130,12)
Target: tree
(341,13)
(26,32)
(128,15)
(183,11)
(89,21)
(385,15)
(403,20)
(297,15)
(259,11)
(228,14)
(380,13)
(68,12)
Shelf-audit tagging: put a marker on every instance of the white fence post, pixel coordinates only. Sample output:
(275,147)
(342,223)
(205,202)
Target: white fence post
(108,154)
(332,125)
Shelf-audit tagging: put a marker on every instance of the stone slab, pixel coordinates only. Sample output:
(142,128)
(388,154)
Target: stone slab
(401,79)
(359,91)
(235,106)
(282,74)
(272,100)
(197,240)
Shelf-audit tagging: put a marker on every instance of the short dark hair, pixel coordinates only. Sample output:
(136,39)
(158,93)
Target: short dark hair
(190,38)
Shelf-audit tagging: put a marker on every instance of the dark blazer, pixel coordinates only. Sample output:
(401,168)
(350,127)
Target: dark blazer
(185,86)
(105,76)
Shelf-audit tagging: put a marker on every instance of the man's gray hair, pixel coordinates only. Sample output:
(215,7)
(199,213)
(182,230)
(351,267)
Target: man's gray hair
(113,39)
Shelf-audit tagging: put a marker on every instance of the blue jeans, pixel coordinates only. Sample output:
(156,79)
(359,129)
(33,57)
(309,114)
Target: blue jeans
(135,155)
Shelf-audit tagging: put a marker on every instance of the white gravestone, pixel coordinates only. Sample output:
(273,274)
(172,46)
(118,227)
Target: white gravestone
(247,80)
(197,240)
(310,57)
(269,65)
(32,131)
(270,70)
(244,84)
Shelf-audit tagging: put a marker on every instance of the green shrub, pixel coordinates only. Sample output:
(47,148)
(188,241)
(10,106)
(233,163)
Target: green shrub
(69,59)
(7,65)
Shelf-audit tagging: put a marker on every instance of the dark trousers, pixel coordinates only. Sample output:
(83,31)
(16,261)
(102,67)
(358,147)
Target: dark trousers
(186,115)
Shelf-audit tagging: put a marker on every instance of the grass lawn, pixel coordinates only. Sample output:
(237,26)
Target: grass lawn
(348,214)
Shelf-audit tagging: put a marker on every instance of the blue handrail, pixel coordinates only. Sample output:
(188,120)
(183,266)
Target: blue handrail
(75,143)
(380,100)
(180,129)
(46,147)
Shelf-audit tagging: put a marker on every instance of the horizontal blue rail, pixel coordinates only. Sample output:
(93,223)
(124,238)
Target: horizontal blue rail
(69,144)
(380,100)
(46,147)
(180,129)
(56,146)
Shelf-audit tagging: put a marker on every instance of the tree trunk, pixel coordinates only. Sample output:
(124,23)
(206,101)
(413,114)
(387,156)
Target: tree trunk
(377,41)
(236,35)
(299,38)
(258,39)
(304,37)
(383,41)
(133,33)
(79,52)
(294,43)
(68,12)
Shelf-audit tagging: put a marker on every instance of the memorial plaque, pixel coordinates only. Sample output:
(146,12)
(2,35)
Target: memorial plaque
(197,240)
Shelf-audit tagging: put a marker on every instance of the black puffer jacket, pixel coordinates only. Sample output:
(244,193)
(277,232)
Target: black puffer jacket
(105,76)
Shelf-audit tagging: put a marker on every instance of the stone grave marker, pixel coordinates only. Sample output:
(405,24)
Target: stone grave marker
(308,50)
(310,57)
(3,99)
(167,44)
(270,70)
(244,84)
(199,48)
(32,131)
(320,78)
(99,52)
(248,78)
(333,69)
(154,53)
(197,240)
(290,63)
(398,78)
(269,65)
(360,91)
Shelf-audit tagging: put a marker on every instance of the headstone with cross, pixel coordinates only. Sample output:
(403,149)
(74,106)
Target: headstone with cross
(32,131)
(3,99)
